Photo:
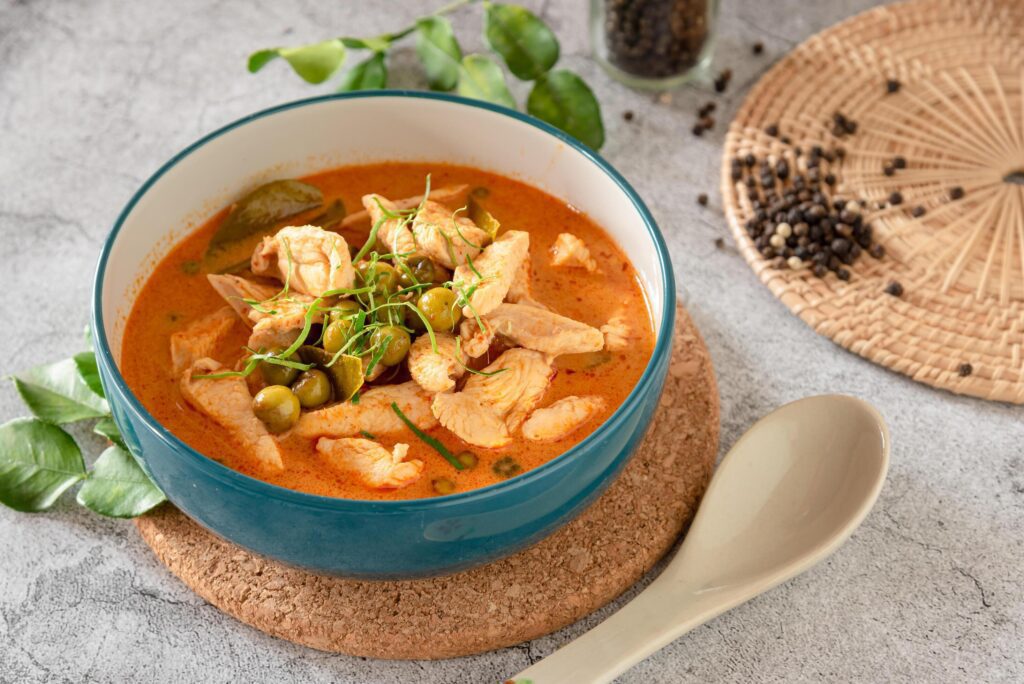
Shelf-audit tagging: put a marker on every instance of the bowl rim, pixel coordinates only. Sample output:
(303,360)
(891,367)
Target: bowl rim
(231,477)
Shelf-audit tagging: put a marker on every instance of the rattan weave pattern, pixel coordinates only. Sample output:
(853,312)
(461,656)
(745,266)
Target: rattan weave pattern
(958,120)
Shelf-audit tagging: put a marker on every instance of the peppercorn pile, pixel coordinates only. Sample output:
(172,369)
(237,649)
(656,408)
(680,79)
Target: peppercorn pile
(655,38)
(797,221)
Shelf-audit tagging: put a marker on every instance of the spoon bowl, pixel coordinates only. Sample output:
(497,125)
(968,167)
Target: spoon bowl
(787,495)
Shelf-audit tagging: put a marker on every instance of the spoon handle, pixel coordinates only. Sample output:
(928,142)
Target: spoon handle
(660,614)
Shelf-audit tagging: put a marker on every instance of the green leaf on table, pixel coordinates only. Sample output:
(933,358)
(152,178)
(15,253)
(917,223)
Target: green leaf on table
(527,45)
(481,78)
(314,63)
(376,43)
(90,374)
(58,394)
(439,52)
(117,486)
(563,100)
(106,427)
(370,74)
(38,462)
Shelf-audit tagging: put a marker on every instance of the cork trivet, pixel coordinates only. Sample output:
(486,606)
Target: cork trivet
(957,120)
(552,584)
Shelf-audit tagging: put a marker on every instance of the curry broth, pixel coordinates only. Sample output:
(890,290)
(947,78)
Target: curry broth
(171,298)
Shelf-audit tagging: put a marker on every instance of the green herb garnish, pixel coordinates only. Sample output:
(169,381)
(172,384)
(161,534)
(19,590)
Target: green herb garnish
(427,439)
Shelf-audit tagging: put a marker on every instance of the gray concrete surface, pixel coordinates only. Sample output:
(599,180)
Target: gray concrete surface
(95,96)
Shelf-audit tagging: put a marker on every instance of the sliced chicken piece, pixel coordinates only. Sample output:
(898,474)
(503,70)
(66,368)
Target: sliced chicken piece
(228,402)
(475,342)
(373,413)
(394,233)
(562,418)
(543,330)
(491,407)
(276,323)
(267,336)
(371,462)
(279,322)
(618,332)
(570,251)
(446,237)
(200,338)
(310,259)
(521,289)
(454,195)
(497,266)
(235,290)
(435,371)
(473,423)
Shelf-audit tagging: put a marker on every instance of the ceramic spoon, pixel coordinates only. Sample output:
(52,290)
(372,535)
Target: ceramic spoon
(788,494)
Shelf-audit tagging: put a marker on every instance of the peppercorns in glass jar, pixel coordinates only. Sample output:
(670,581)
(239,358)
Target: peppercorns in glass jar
(654,44)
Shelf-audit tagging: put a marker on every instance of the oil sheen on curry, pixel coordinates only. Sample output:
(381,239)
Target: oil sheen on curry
(389,331)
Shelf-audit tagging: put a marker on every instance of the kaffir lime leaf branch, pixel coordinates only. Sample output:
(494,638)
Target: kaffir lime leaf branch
(520,38)
(39,460)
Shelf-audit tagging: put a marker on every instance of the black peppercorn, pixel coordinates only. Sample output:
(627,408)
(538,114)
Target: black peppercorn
(964,369)
(840,246)
(757,48)
(956,193)
(894,288)
(899,162)
(892,86)
(918,211)
(888,169)
(895,198)
(702,199)
(721,84)
(627,115)
(772,130)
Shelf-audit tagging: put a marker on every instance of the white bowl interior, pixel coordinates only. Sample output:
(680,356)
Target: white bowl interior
(328,133)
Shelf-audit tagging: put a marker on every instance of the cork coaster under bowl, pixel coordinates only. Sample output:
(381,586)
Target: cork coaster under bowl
(565,577)
(939,84)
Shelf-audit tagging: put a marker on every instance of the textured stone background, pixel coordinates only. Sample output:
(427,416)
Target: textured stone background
(95,96)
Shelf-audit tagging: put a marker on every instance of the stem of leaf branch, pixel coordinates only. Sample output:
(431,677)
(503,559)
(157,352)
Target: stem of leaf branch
(439,12)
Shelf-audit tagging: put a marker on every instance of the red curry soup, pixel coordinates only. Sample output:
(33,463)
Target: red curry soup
(389,331)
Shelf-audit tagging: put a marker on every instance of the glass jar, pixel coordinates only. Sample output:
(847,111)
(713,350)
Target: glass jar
(653,44)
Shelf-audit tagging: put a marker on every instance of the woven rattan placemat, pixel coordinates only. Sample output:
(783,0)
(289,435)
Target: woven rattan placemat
(565,577)
(955,114)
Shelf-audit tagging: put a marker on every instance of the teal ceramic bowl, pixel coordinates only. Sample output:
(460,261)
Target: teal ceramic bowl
(376,539)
